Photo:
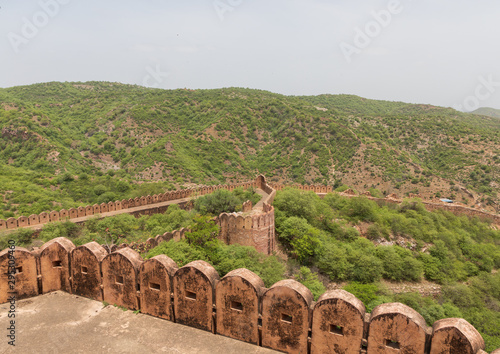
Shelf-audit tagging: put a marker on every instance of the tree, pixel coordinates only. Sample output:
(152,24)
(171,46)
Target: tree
(216,203)
(300,237)
(202,232)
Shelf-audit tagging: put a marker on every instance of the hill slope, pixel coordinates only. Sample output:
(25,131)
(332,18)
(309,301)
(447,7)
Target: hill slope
(486,111)
(65,144)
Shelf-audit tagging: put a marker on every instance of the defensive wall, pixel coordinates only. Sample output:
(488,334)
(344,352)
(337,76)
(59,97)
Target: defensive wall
(254,226)
(430,206)
(255,229)
(283,317)
(73,214)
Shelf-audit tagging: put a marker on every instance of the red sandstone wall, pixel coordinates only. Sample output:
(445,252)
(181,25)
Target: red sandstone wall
(235,305)
(89,210)
(260,182)
(256,230)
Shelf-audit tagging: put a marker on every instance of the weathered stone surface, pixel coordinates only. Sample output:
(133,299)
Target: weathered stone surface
(194,287)
(81,211)
(103,207)
(247,206)
(252,230)
(63,214)
(237,303)
(338,321)
(155,276)
(23,221)
(24,263)
(3,224)
(73,213)
(34,219)
(11,223)
(44,218)
(86,270)
(285,316)
(55,265)
(120,278)
(455,335)
(59,323)
(395,326)
(54,216)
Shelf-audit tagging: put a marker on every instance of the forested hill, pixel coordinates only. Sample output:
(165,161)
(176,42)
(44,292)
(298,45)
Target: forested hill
(67,143)
(486,111)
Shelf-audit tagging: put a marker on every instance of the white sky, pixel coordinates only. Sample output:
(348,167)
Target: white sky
(437,52)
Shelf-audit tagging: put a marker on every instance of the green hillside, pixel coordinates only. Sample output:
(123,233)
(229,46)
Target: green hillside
(486,111)
(69,144)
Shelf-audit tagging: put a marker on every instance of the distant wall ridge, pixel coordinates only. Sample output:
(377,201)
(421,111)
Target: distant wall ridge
(107,209)
(393,198)
(79,213)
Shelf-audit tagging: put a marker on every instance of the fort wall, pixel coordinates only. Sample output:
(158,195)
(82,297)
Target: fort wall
(283,317)
(256,230)
(251,227)
(430,206)
(74,214)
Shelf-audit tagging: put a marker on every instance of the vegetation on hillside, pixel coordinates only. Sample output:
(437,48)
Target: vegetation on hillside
(223,200)
(68,144)
(63,145)
(439,246)
(486,111)
(460,253)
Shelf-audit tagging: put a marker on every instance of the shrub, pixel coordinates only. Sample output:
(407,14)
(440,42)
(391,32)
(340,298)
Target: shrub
(202,232)
(216,203)
(365,292)
(22,238)
(301,238)
(311,281)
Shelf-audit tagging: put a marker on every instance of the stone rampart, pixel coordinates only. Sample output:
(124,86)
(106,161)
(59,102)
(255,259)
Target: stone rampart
(283,317)
(430,206)
(99,209)
(103,208)
(256,230)
(251,228)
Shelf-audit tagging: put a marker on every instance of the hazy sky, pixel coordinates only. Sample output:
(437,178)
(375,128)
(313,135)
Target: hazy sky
(441,52)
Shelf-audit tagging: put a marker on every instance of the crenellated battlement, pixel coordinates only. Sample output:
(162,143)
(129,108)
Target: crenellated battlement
(283,317)
(256,229)
(132,206)
(153,204)
(453,208)
(253,227)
